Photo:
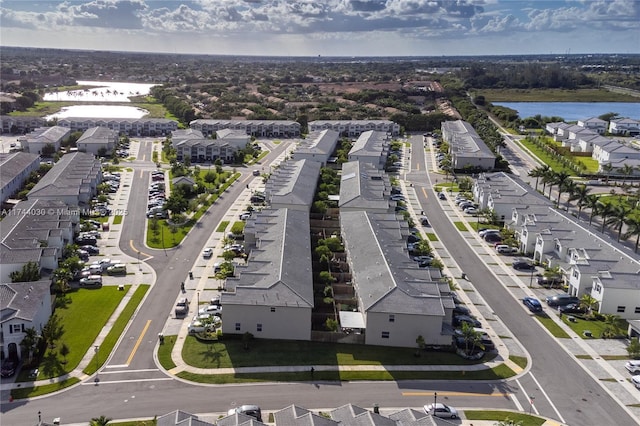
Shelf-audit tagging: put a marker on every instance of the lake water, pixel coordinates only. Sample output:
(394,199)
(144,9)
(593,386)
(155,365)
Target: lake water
(573,111)
(99,111)
(101,91)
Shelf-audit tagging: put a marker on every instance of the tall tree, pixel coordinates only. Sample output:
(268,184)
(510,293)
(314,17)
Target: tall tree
(633,228)
(29,342)
(605,211)
(539,172)
(30,272)
(618,218)
(52,330)
(580,194)
(560,179)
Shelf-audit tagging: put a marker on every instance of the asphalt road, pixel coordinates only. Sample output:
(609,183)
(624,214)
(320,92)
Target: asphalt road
(132,387)
(576,396)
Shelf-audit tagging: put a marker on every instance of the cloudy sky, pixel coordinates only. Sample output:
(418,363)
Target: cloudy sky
(326,27)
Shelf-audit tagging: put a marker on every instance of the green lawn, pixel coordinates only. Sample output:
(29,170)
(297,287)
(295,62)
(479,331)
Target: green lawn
(554,328)
(431,236)
(118,327)
(117,219)
(231,353)
(546,158)
(461,226)
(79,334)
(497,415)
(596,327)
(223,226)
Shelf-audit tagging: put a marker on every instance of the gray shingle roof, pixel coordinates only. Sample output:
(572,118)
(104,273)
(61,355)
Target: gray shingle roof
(11,165)
(363,186)
(319,142)
(369,143)
(278,271)
(22,300)
(69,176)
(293,183)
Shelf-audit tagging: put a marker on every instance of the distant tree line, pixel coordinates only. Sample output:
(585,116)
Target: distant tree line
(524,76)
(180,108)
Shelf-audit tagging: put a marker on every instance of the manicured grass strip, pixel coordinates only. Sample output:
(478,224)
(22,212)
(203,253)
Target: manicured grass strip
(230,352)
(223,226)
(461,226)
(596,327)
(21,393)
(118,327)
(520,361)
(500,372)
(117,219)
(501,416)
(431,236)
(553,328)
(164,352)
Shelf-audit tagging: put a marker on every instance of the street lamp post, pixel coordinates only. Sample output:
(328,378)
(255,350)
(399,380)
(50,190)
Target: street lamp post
(533,269)
(435,401)
(39,417)
(97,350)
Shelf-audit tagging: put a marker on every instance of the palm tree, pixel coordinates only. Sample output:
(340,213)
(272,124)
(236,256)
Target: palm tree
(539,172)
(626,170)
(593,202)
(30,342)
(580,194)
(570,187)
(605,210)
(99,421)
(612,326)
(560,179)
(607,168)
(618,218)
(588,302)
(633,228)
(548,179)
(471,337)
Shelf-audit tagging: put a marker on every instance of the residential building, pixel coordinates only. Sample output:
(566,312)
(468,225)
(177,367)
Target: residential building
(24,305)
(317,146)
(397,300)
(35,231)
(466,148)
(624,126)
(364,187)
(596,124)
(99,141)
(290,185)
(257,128)
(35,141)
(73,180)
(15,169)
(271,296)
(204,150)
(354,128)
(123,126)
(235,138)
(371,147)
(20,124)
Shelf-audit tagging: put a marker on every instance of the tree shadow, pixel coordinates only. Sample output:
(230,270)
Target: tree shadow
(51,366)
(212,355)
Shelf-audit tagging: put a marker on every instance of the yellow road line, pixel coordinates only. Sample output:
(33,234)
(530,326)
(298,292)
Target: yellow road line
(135,348)
(424,191)
(136,250)
(500,394)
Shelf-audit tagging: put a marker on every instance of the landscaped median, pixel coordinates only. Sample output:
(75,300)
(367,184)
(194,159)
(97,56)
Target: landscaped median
(515,418)
(229,361)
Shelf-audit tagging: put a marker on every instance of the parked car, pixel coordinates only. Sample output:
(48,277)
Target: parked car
(211,309)
(441,410)
(550,282)
(182,307)
(471,211)
(505,249)
(207,253)
(424,221)
(561,299)
(533,304)
(199,327)
(249,410)
(461,310)
(633,366)
(117,269)
(636,381)
(8,367)
(523,265)
(459,319)
(442,196)
(572,308)
(90,249)
(93,281)
(484,232)
(245,215)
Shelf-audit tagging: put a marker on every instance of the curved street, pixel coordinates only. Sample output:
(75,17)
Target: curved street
(132,385)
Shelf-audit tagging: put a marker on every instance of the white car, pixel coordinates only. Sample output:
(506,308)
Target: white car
(210,310)
(207,253)
(441,410)
(636,381)
(633,366)
(198,327)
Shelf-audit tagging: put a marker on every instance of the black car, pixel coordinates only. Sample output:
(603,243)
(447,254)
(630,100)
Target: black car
(572,308)
(461,310)
(562,299)
(8,367)
(90,249)
(523,265)
(459,319)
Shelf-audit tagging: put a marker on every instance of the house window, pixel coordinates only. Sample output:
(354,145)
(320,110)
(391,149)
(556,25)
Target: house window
(273,309)
(258,327)
(621,308)
(637,310)
(575,273)
(598,288)
(237,326)
(385,334)
(16,328)
(392,318)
